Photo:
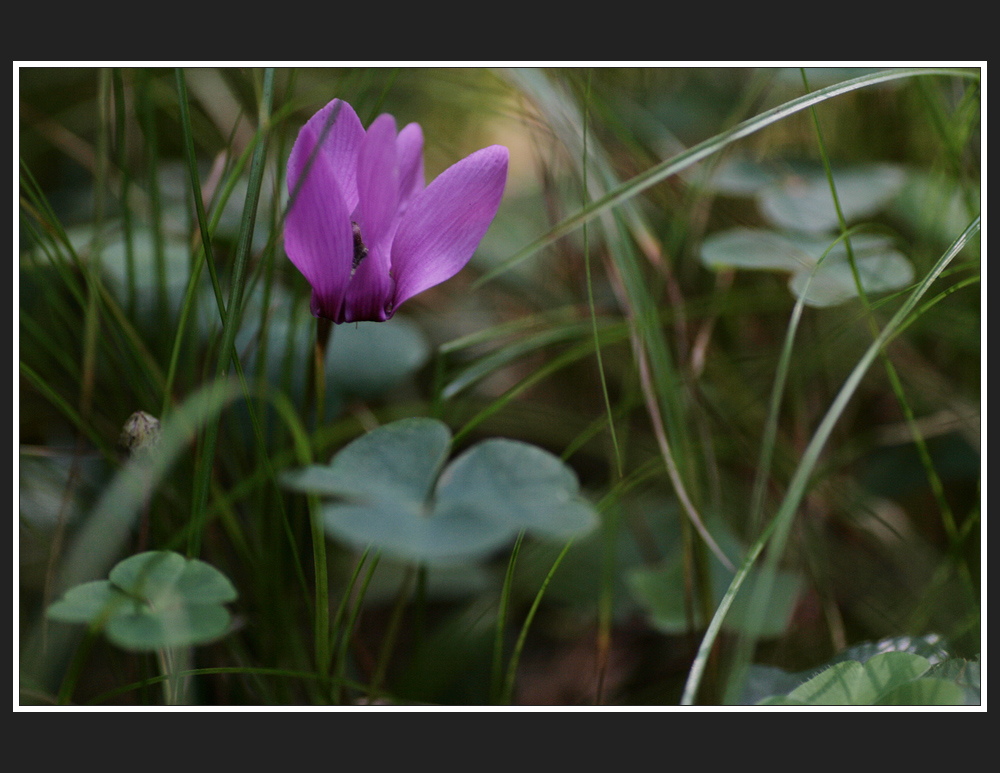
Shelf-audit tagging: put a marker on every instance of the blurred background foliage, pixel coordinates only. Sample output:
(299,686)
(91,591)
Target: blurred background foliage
(879,548)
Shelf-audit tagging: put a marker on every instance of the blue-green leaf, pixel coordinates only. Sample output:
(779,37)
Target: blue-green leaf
(390,493)
(833,283)
(518,484)
(805,202)
(880,267)
(151,601)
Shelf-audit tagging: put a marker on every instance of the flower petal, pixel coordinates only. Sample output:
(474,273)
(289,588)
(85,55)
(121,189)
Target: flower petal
(369,295)
(318,235)
(378,182)
(410,151)
(319,239)
(342,133)
(445,222)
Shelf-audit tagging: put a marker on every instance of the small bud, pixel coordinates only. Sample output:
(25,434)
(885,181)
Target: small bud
(140,435)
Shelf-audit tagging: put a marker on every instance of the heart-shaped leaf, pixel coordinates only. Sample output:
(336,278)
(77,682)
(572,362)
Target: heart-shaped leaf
(391,493)
(398,462)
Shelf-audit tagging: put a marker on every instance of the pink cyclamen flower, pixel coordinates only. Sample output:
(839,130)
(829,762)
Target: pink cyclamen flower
(364,230)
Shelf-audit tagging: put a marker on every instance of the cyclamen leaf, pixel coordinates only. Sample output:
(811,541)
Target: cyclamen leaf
(393,494)
(152,600)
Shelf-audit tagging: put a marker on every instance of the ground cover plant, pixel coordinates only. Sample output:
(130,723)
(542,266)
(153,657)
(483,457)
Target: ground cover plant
(412,386)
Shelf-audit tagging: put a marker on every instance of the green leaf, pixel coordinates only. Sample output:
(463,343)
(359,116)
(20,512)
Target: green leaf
(805,202)
(365,359)
(771,681)
(392,497)
(176,625)
(965,673)
(840,685)
(518,484)
(397,462)
(88,603)
(148,576)
(781,700)
(850,683)
(880,267)
(924,692)
(448,534)
(891,669)
(661,591)
(742,177)
(759,250)
(833,283)
(369,358)
(151,601)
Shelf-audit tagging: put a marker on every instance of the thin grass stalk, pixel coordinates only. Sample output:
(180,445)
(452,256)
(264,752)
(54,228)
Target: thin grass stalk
(496,678)
(658,380)
(391,633)
(205,463)
(348,630)
(803,472)
(769,435)
(148,122)
(75,669)
(746,641)
(346,596)
(611,527)
(653,409)
(515,657)
(205,241)
(590,295)
(125,183)
(69,412)
(577,352)
(91,328)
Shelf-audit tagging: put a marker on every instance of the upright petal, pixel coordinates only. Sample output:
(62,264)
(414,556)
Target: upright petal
(378,182)
(445,222)
(321,178)
(410,151)
(342,133)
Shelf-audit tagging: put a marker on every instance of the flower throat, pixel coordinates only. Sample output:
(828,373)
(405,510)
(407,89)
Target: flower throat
(360,251)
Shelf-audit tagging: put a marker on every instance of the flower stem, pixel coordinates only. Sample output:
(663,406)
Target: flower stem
(323,652)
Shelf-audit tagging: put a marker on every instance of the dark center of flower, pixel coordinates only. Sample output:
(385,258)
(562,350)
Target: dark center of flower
(360,251)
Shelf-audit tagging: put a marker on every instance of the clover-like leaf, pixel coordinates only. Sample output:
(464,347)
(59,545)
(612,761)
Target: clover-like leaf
(805,203)
(397,462)
(390,492)
(796,194)
(151,601)
(820,273)
(519,484)
(833,282)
